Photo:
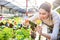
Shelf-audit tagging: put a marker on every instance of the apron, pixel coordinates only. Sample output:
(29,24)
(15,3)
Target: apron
(49,28)
(46,28)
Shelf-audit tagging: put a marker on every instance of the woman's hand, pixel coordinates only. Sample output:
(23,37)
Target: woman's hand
(39,29)
(26,23)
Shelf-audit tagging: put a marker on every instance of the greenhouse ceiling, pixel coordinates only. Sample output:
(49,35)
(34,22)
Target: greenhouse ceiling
(20,5)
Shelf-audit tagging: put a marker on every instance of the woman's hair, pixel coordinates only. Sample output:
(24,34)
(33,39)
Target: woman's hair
(46,6)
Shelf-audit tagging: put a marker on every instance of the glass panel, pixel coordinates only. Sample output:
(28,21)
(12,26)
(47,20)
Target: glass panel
(5,10)
(11,11)
(0,9)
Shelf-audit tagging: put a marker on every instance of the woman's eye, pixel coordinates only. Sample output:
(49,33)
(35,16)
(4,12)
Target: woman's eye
(43,13)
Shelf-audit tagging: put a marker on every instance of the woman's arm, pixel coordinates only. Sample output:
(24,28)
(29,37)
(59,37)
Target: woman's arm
(46,35)
(36,15)
(56,21)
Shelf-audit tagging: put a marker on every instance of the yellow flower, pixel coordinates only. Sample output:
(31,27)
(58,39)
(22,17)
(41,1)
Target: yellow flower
(38,22)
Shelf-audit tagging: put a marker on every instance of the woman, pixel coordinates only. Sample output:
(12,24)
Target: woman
(49,18)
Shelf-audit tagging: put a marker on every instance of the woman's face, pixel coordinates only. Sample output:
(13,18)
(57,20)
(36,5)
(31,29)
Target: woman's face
(43,14)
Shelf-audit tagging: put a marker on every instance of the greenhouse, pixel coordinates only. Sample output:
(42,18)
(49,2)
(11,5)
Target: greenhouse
(29,19)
